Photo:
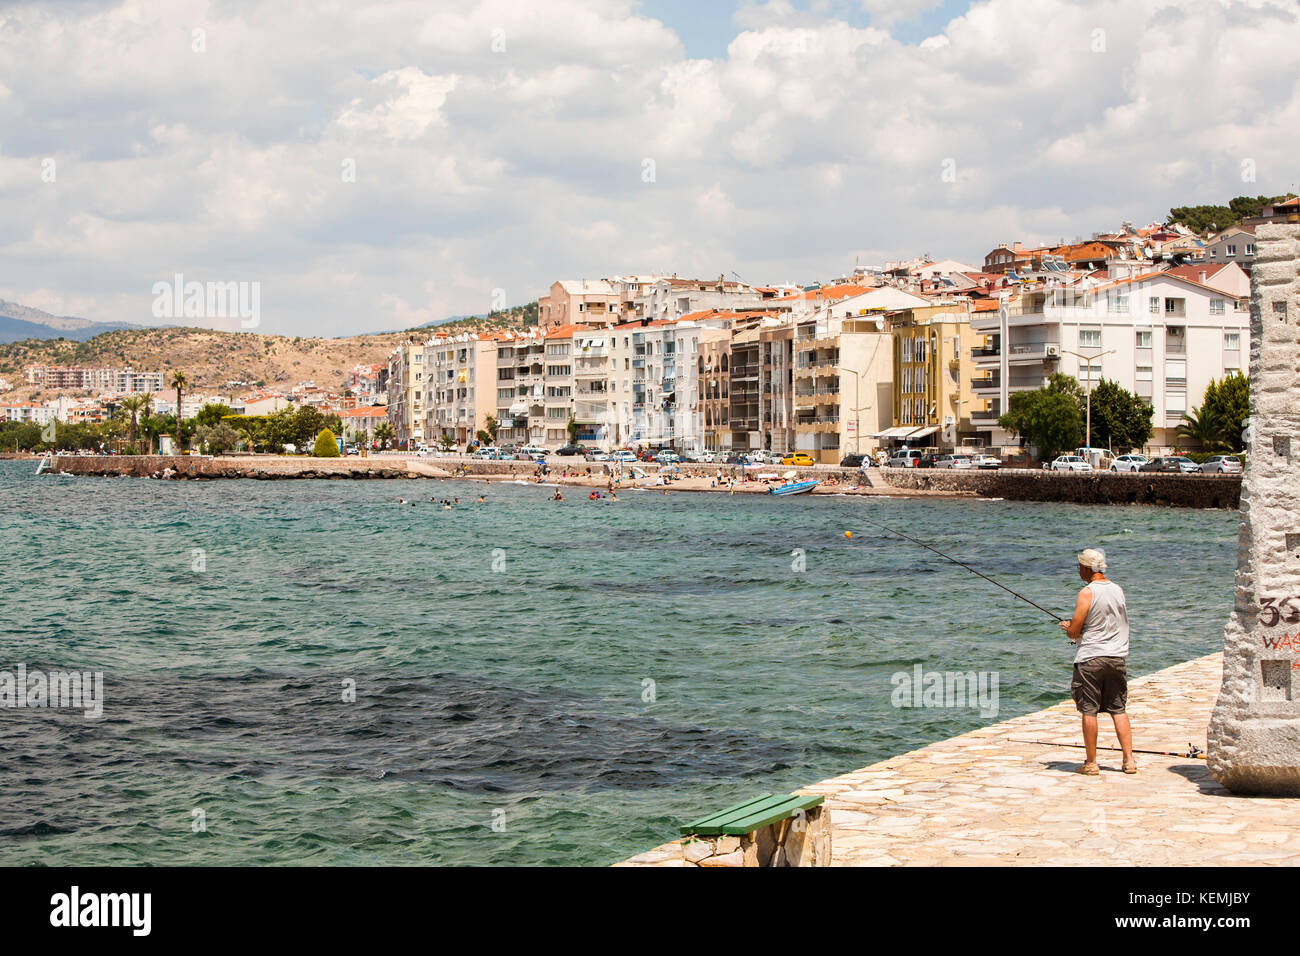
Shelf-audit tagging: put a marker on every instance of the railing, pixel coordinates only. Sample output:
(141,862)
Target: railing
(988,381)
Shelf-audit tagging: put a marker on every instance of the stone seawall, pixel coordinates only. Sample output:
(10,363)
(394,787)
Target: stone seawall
(205,467)
(1104,487)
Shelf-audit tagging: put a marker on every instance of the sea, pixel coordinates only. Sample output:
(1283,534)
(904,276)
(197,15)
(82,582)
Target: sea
(311,672)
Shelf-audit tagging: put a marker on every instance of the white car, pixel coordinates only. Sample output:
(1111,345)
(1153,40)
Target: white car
(622,456)
(955,461)
(1129,463)
(1221,465)
(1070,463)
(986,462)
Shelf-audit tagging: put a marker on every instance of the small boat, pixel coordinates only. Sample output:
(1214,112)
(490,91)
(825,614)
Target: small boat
(794,488)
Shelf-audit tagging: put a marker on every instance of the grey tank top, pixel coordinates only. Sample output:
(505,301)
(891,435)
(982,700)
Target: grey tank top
(1105,629)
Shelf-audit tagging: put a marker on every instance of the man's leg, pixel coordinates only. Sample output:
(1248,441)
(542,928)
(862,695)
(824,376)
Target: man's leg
(1124,732)
(1090,737)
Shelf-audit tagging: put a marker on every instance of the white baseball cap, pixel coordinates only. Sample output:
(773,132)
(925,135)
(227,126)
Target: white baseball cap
(1093,558)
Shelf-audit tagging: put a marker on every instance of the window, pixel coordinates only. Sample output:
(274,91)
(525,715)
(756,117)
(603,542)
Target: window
(1090,338)
(1217,307)
(1250,248)
(1232,341)
(1232,250)
(1144,338)
(1144,373)
(1117,302)
(1153,305)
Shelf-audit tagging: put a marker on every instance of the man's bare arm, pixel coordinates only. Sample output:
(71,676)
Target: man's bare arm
(1074,626)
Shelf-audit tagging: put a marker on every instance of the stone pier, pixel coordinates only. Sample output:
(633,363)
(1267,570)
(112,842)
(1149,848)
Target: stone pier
(984,798)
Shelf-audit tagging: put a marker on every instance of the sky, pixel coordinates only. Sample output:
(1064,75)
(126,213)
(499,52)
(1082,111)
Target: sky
(361,166)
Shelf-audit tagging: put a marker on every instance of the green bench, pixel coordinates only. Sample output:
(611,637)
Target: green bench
(771,830)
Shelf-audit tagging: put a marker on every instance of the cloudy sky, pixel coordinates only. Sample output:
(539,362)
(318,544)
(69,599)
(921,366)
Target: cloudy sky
(379,165)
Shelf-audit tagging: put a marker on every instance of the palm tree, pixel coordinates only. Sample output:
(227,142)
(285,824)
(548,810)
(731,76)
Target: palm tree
(383,434)
(179,382)
(1203,428)
(135,406)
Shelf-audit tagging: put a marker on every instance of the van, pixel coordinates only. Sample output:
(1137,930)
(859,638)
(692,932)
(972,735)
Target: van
(905,459)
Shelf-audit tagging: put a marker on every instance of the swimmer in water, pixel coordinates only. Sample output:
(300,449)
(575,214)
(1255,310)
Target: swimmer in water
(557,496)
(481,499)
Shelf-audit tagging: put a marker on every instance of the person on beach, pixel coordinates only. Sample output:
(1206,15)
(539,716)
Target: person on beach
(1099,628)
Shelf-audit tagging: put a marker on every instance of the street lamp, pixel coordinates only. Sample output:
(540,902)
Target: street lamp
(1088,359)
(857,422)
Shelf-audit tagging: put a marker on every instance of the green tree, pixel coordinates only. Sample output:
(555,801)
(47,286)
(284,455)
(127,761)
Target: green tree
(134,406)
(573,430)
(1049,420)
(218,438)
(1203,427)
(179,382)
(384,434)
(1228,404)
(491,425)
(1120,419)
(327,446)
(308,423)
(211,413)
(445,443)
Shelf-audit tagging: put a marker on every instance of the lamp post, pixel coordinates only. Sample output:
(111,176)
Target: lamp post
(857,422)
(1088,359)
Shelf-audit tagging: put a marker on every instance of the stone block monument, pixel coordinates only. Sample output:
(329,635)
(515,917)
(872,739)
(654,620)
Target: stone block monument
(1254,734)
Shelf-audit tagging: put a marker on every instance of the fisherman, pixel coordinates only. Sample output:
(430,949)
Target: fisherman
(1099,628)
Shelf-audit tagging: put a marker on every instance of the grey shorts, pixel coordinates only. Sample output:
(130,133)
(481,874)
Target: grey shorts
(1100,685)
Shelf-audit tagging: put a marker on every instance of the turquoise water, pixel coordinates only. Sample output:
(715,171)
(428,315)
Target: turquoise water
(503,715)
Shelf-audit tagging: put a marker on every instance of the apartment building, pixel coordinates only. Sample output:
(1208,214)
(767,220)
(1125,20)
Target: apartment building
(580,301)
(552,430)
(407,388)
(592,394)
(714,389)
(1158,334)
(520,397)
(776,384)
(461,383)
(932,396)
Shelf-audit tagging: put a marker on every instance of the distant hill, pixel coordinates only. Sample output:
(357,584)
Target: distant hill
(210,358)
(18,322)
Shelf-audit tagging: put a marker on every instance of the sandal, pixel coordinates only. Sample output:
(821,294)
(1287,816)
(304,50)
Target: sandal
(1130,766)
(1088,769)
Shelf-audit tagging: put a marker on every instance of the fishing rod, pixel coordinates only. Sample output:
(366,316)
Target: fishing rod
(1192,750)
(962,564)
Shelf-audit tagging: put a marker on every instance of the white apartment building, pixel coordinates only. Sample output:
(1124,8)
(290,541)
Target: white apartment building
(1160,335)
(407,389)
(461,384)
(520,397)
(552,431)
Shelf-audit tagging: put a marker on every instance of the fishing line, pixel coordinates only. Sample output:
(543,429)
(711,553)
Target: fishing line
(962,564)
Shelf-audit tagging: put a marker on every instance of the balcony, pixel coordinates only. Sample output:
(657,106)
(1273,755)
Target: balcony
(1033,352)
(986,382)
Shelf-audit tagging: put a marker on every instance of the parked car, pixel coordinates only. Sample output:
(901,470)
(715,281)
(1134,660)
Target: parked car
(1129,463)
(797,458)
(1221,465)
(487,452)
(986,462)
(622,455)
(929,459)
(955,461)
(1169,463)
(570,450)
(1071,463)
(904,459)
(667,457)
(707,457)
(534,452)
(851,461)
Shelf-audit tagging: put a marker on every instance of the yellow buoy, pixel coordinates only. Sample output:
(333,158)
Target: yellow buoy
(848,534)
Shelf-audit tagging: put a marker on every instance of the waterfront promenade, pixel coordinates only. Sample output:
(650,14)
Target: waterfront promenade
(983,799)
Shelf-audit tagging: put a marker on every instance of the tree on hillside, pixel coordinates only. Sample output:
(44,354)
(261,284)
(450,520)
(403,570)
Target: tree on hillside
(1203,219)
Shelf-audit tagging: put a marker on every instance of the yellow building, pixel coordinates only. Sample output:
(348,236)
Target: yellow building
(932,376)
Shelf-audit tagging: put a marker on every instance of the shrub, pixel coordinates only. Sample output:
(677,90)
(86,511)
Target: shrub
(327,445)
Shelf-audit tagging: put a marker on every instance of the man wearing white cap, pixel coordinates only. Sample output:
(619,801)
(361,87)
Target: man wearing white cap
(1100,629)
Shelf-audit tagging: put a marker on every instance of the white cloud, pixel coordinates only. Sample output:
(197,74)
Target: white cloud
(501,143)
